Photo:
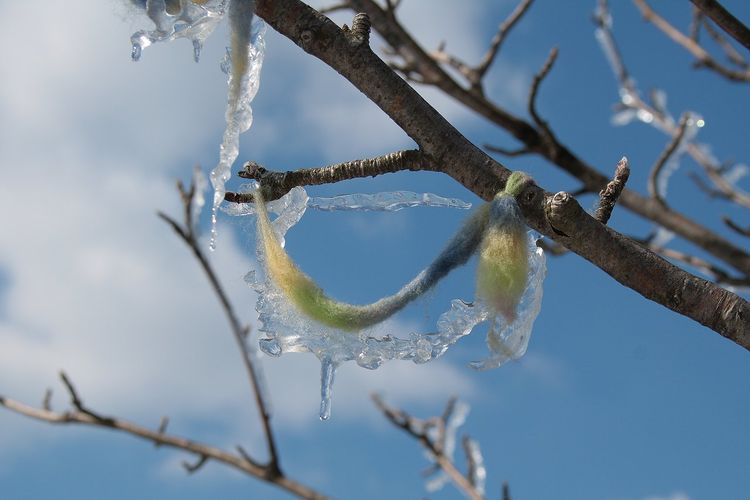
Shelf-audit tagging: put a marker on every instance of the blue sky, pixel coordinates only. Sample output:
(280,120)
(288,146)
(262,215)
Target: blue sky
(616,399)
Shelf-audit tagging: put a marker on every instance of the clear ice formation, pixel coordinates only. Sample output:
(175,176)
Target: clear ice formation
(196,20)
(455,419)
(173,19)
(286,330)
(436,477)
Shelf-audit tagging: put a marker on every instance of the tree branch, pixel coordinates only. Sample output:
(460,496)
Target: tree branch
(279,183)
(725,20)
(703,57)
(625,260)
(79,414)
(418,429)
(502,32)
(239,332)
(609,195)
(674,143)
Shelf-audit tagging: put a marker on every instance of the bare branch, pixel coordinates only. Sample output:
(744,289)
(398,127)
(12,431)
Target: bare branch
(723,188)
(725,20)
(736,227)
(195,467)
(506,491)
(732,54)
(279,183)
(609,195)
(90,418)
(508,152)
(703,57)
(674,143)
(417,429)
(719,275)
(475,74)
(546,132)
(47,400)
(239,331)
(334,8)
(502,33)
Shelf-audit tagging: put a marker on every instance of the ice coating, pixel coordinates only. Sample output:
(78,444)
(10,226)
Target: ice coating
(196,20)
(173,19)
(457,413)
(380,202)
(477,475)
(242,64)
(200,184)
(287,330)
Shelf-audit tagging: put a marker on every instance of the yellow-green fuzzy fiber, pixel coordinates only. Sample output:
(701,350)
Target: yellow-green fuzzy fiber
(502,269)
(496,229)
(296,285)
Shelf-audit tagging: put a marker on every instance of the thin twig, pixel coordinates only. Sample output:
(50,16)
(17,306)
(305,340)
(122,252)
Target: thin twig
(736,227)
(334,8)
(725,20)
(544,129)
(506,491)
(702,56)
(195,467)
(417,428)
(723,188)
(90,418)
(277,184)
(719,275)
(502,33)
(609,195)
(475,74)
(508,152)
(239,330)
(653,188)
(732,54)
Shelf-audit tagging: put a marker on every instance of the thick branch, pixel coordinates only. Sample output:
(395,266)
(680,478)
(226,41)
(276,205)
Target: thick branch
(471,167)
(647,273)
(725,20)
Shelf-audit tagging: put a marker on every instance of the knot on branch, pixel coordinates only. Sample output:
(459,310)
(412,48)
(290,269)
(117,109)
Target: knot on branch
(360,31)
(560,210)
(306,39)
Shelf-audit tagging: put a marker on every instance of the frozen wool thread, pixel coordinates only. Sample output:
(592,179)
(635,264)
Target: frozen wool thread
(496,229)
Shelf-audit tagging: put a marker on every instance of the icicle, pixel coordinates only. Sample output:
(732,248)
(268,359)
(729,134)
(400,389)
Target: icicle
(327,373)
(242,64)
